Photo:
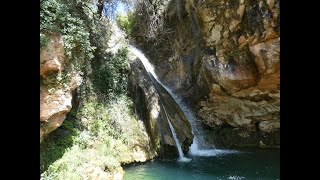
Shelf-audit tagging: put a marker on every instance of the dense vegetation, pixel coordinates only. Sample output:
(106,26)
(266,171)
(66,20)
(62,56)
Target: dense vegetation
(100,129)
(126,22)
(85,35)
(72,20)
(95,136)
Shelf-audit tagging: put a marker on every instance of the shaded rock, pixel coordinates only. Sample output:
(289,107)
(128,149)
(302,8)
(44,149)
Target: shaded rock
(148,97)
(269,126)
(266,54)
(241,137)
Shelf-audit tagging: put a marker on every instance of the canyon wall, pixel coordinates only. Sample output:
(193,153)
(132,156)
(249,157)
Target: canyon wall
(224,58)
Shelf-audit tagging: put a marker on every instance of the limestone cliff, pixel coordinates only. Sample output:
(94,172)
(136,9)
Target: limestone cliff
(56,86)
(100,134)
(64,88)
(226,54)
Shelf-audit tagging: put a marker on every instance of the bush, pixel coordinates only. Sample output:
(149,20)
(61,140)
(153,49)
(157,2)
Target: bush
(54,146)
(107,135)
(126,22)
(68,20)
(111,76)
(43,41)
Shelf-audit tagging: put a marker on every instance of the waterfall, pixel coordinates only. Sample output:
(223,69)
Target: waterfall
(199,146)
(149,68)
(176,140)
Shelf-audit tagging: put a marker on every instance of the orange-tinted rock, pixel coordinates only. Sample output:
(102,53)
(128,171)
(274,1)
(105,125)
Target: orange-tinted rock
(52,58)
(56,103)
(231,62)
(266,54)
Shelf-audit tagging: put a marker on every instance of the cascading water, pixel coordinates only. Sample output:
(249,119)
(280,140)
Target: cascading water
(176,140)
(149,68)
(199,146)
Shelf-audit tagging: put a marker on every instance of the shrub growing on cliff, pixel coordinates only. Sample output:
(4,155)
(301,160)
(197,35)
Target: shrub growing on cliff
(85,36)
(95,134)
(68,20)
(103,140)
(43,41)
(111,75)
(126,22)
(54,146)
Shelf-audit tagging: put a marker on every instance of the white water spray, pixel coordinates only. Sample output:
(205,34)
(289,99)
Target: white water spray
(198,147)
(149,68)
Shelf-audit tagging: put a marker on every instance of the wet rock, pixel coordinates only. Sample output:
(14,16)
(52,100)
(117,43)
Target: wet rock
(148,98)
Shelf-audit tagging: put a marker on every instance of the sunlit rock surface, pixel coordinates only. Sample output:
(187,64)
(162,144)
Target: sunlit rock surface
(55,98)
(224,57)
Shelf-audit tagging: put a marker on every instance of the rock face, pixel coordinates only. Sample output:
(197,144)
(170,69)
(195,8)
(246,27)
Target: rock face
(56,87)
(154,104)
(243,80)
(229,53)
(52,58)
(58,81)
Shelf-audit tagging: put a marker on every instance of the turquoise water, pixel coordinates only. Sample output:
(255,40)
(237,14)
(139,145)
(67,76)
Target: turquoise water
(262,164)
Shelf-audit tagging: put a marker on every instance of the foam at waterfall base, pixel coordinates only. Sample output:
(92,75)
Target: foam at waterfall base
(212,152)
(198,148)
(184,159)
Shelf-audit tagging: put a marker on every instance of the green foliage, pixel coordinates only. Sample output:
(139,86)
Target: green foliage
(43,41)
(101,120)
(63,168)
(240,55)
(104,140)
(126,22)
(54,81)
(69,20)
(111,76)
(50,15)
(99,135)
(53,147)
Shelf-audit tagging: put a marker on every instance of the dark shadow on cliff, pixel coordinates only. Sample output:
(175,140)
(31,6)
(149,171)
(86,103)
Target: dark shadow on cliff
(57,142)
